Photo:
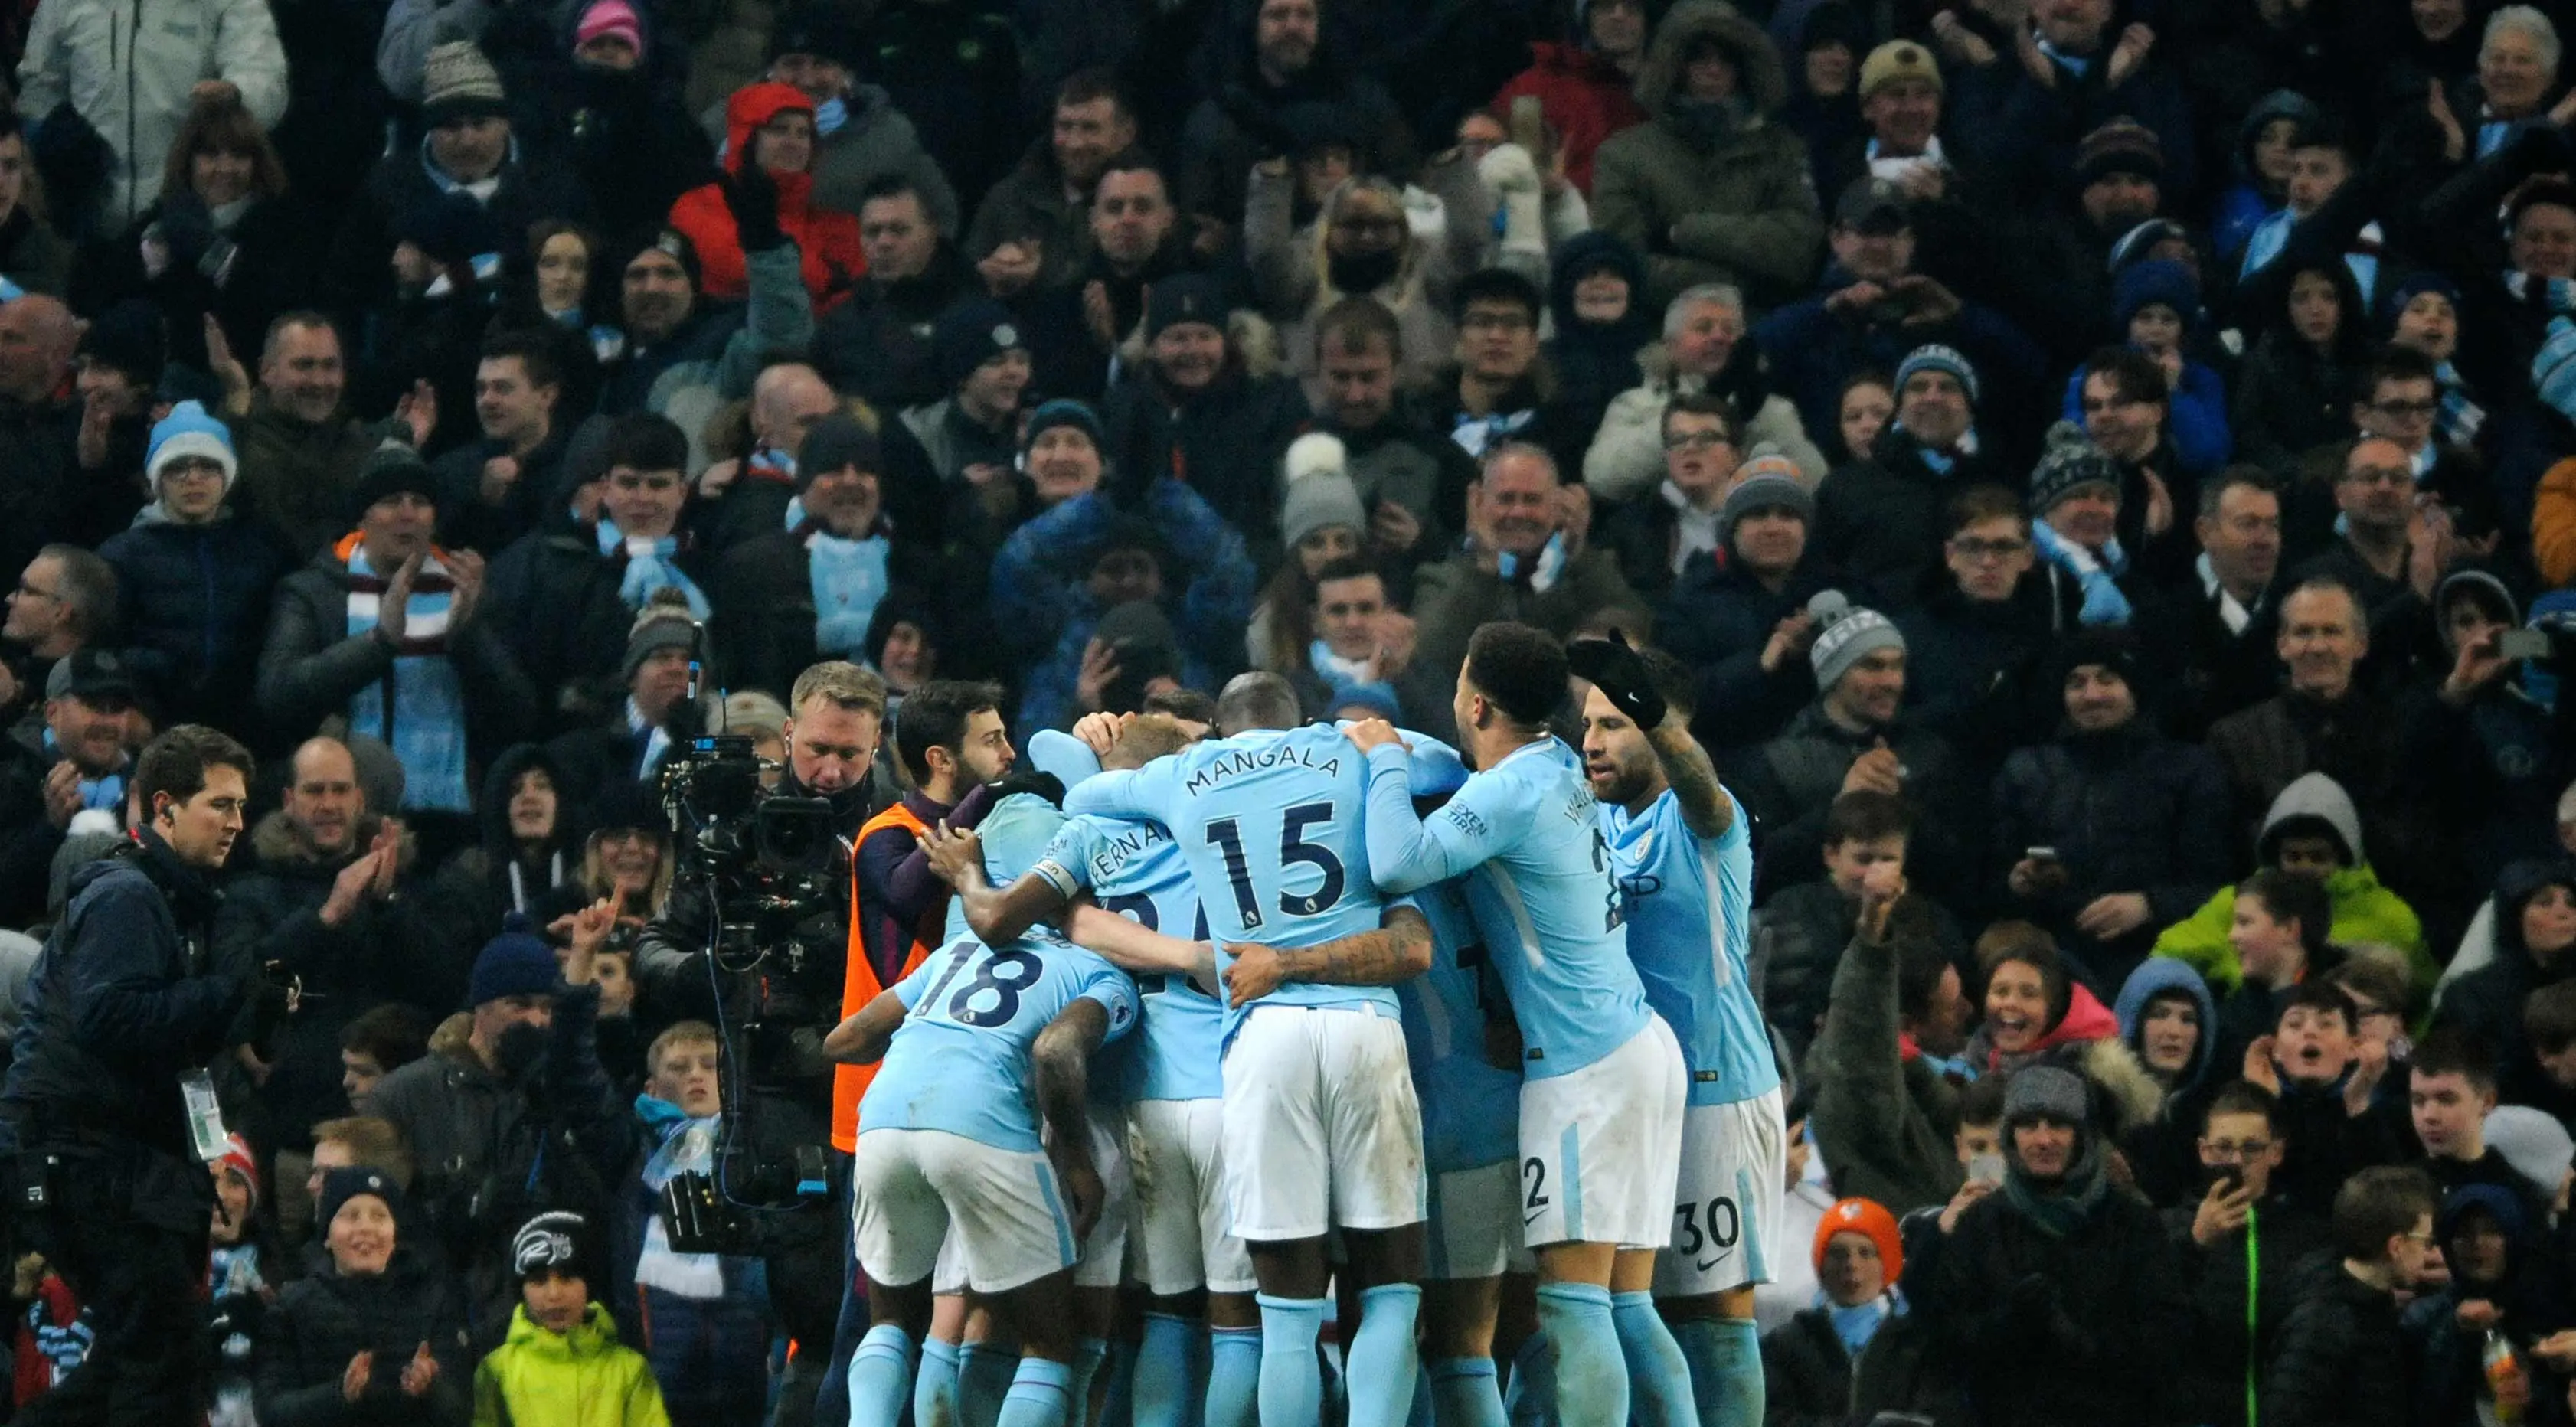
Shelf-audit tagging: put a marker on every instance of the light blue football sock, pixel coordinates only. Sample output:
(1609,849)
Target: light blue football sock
(1089,1355)
(1041,1395)
(984,1376)
(1292,1381)
(1162,1390)
(880,1375)
(934,1388)
(1383,1363)
(1529,1399)
(1234,1378)
(1659,1381)
(1725,1357)
(1463,1393)
(1591,1372)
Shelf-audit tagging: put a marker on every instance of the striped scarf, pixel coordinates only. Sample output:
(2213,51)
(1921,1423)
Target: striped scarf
(2461,417)
(418,708)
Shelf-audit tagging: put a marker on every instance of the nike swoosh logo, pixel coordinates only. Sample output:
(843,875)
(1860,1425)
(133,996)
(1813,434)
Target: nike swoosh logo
(1531,1218)
(1706,1264)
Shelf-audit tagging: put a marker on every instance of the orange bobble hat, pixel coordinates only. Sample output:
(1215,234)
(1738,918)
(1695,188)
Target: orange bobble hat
(1862,1216)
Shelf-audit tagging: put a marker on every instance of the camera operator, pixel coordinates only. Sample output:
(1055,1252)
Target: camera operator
(108,1111)
(792,995)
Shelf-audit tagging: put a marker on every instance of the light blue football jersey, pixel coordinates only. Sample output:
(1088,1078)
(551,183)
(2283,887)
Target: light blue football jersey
(1471,1109)
(1690,914)
(1134,869)
(1527,831)
(1269,823)
(960,1062)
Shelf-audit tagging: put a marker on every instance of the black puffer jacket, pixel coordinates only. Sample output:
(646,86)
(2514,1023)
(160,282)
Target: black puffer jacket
(2126,811)
(321,1322)
(2340,1361)
(555,602)
(194,601)
(1806,1375)
(386,950)
(2082,1326)
(1791,782)
(1879,521)
(2286,1270)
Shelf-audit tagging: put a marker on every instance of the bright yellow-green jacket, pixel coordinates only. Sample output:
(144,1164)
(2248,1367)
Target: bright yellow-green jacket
(584,1378)
(2364,911)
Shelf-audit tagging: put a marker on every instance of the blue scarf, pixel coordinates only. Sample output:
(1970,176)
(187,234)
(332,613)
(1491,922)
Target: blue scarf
(105,793)
(2461,416)
(419,707)
(830,115)
(683,1145)
(1856,1325)
(848,578)
(655,567)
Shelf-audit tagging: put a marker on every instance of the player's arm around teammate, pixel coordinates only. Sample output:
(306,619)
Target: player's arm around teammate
(1395,953)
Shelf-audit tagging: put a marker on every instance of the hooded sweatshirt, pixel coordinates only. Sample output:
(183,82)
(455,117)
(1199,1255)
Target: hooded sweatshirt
(2154,977)
(2364,911)
(2489,1001)
(828,241)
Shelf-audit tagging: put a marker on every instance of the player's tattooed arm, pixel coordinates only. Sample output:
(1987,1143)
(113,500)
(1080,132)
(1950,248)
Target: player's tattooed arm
(1062,1059)
(1707,810)
(862,1038)
(1396,952)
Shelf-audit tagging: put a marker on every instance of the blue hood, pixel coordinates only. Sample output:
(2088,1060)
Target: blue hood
(2159,974)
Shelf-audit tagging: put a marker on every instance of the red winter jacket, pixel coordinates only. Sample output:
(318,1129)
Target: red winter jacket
(828,239)
(1585,98)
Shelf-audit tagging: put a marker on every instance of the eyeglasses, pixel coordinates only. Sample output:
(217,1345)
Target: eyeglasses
(1696,440)
(2234,1152)
(1967,549)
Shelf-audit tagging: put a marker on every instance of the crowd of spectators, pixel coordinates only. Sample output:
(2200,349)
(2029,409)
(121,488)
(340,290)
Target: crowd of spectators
(2110,466)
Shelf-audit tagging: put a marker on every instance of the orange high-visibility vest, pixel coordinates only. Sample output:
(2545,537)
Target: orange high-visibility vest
(859,983)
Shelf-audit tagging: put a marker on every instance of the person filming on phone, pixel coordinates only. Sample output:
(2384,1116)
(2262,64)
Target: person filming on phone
(2238,1239)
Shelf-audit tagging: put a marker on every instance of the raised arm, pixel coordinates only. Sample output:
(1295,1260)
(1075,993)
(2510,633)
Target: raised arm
(1396,952)
(1708,810)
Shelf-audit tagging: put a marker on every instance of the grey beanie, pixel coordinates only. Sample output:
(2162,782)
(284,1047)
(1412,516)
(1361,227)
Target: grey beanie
(1320,491)
(2071,462)
(1844,633)
(1764,490)
(2534,1143)
(2044,1091)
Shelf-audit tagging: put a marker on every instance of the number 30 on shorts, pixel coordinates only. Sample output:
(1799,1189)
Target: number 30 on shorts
(1725,1225)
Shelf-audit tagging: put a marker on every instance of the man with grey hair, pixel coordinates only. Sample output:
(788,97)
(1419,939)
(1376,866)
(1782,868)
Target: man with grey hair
(1703,349)
(1527,560)
(64,601)
(1855,738)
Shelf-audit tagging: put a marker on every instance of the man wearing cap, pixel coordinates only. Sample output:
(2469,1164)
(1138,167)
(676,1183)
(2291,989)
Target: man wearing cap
(2114,882)
(1874,305)
(1179,568)
(1902,95)
(1527,560)
(1203,413)
(135,96)
(972,435)
(1878,521)
(193,576)
(682,354)
(518,1118)
(2058,282)
(52,772)
(2076,504)
(2065,1301)
(382,630)
(1854,737)
(446,210)
(1708,188)
(807,592)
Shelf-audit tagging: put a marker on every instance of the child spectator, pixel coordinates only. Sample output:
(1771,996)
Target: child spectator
(375,1337)
(2340,1360)
(705,1325)
(240,1270)
(2502,1286)
(2167,1021)
(2238,1239)
(1800,933)
(1807,1362)
(562,1364)
(375,1045)
(2451,1091)
(2313,1063)
(350,1142)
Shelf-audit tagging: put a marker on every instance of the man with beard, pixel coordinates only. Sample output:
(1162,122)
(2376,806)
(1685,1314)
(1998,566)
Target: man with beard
(1682,852)
(486,1120)
(128,1004)
(836,717)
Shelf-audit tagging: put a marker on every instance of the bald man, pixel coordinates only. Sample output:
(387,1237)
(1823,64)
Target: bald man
(329,896)
(37,339)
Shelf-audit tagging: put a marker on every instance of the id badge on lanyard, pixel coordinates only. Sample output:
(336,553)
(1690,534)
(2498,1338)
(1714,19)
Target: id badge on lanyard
(205,1115)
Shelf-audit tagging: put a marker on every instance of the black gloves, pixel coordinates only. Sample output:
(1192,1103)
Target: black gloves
(1622,677)
(751,195)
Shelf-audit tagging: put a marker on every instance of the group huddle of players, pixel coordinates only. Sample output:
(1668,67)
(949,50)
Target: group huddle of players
(1269,1009)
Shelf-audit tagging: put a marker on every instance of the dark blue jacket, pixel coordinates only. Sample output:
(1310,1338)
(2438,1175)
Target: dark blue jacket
(195,605)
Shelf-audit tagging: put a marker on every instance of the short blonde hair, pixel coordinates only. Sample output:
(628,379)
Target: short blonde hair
(680,1033)
(753,712)
(846,684)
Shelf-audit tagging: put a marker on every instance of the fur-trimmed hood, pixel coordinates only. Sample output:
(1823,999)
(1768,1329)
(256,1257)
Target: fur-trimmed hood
(2156,976)
(1757,63)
